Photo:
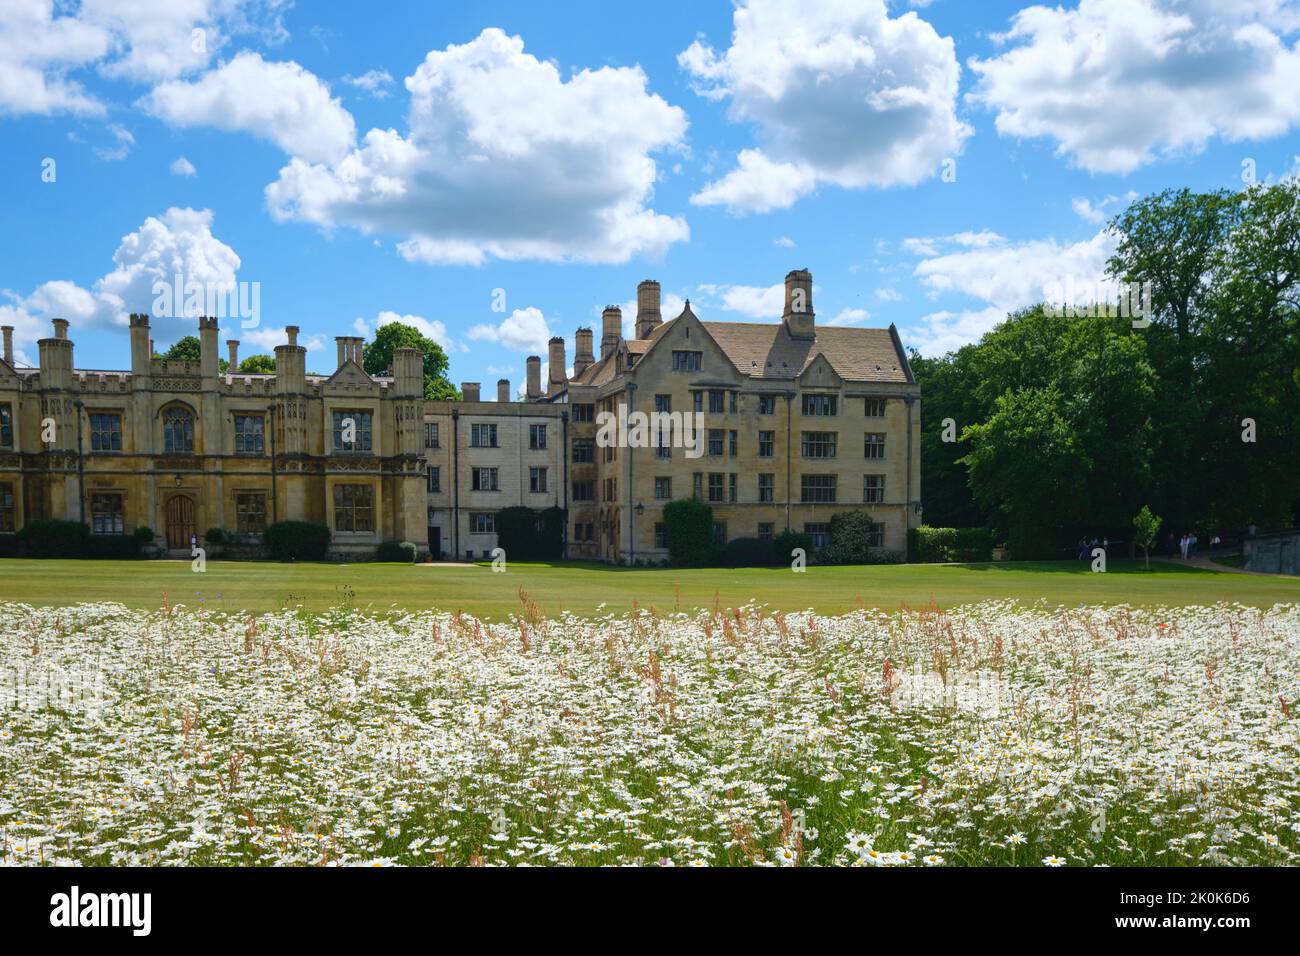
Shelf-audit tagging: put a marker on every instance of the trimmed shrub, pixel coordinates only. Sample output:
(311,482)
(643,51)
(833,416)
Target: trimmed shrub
(114,547)
(215,536)
(688,527)
(973,544)
(403,551)
(551,542)
(935,545)
(784,544)
(749,553)
(11,546)
(53,538)
(143,535)
(297,541)
(527,534)
(851,542)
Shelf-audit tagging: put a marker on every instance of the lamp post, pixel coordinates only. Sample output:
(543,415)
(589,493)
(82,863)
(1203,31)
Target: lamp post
(81,466)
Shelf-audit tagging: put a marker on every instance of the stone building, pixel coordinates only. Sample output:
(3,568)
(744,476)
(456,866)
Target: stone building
(180,448)
(800,421)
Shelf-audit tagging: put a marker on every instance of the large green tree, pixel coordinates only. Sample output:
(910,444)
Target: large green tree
(1224,270)
(188,349)
(378,357)
(258,365)
(1069,424)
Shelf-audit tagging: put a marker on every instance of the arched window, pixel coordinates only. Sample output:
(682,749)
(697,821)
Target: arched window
(178,430)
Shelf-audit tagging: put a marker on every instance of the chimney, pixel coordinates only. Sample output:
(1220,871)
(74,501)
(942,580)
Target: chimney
(611,322)
(555,365)
(341,343)
(469,391)
(533,378)
(503,390)
(56,360)
(141,346)
(8,331)
(582,355)
(647,308)
(291,333)
(233,346)
(798,314)
(208,363)
(356,352)
(408,373)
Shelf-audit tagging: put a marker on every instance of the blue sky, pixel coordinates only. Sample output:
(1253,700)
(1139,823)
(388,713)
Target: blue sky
(363,162)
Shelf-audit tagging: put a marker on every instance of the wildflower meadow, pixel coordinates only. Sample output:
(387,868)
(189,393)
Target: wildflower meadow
(993,734)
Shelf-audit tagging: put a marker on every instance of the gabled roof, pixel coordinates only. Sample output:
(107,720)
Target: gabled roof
(768,352)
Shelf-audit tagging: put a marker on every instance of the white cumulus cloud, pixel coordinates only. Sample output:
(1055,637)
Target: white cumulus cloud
(504,158)
(278,102)
(1116,84)
(523,330)
(179,242)
(837,91)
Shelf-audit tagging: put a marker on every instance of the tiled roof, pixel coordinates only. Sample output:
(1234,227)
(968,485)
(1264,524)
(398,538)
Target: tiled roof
(767,351)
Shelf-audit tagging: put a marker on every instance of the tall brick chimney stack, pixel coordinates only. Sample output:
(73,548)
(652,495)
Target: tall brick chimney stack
(556,376)
(611,322)
(798,316)
(647,308)
(533,378)
(582,354)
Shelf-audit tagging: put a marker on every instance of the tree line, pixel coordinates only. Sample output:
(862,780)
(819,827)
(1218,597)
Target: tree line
(1064,425)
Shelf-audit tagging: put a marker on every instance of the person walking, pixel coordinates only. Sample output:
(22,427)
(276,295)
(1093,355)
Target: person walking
(1183,544)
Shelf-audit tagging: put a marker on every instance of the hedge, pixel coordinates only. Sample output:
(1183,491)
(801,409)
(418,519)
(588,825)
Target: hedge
(749,553)
(529,534)
(297,541)
(688,527)
(936,545)
(54,538)
(402,551)
(783,546)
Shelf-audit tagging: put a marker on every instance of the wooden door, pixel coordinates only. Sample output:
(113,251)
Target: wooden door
(180,522)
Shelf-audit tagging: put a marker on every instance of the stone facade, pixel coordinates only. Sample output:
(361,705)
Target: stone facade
(180,447)
(799,422)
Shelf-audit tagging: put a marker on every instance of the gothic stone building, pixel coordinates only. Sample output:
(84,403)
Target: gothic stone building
(179,447)
(800,421)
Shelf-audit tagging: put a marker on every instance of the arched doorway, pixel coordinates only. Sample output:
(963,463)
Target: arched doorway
(180,522)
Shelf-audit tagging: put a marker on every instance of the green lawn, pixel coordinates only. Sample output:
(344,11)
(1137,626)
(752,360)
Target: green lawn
(583,587)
